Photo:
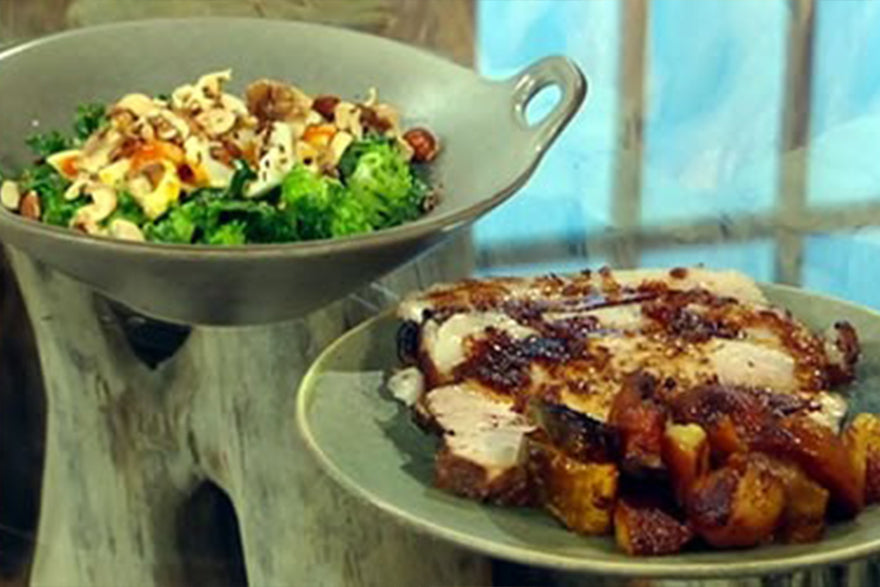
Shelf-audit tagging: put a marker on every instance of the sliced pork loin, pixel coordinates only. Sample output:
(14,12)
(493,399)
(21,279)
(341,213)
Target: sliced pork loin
(481,440)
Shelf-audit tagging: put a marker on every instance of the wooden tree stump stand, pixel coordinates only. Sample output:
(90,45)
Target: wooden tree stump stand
(129,446)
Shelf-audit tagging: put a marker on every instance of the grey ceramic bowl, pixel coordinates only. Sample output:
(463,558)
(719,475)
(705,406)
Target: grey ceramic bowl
(489,152)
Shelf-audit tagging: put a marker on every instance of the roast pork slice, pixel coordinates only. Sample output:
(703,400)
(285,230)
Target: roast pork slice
(582,291)
(481,442)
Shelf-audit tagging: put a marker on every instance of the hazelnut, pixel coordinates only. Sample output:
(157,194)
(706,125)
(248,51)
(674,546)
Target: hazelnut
(423,143)
(30,206)
(326,106)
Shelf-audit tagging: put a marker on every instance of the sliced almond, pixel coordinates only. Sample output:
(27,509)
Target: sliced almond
(234,105)
(338,145)
(84,220)
(347,117)
(76,189)
(104,200)
(390,114)
(216,121)
(211,84)
(138,104)
(126,230)
(170,126)
(372,97)
(10,195)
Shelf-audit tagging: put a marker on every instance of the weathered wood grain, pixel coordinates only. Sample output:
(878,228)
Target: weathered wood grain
(126,446)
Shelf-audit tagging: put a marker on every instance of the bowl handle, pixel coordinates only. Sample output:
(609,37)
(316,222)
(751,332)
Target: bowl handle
(550,71)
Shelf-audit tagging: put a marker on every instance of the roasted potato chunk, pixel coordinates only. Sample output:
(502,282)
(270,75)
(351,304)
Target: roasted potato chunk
(581,495)
(641,423)
(686,455)
(740,504)
(806,502)
(821,454)
(862,439)
(644,528)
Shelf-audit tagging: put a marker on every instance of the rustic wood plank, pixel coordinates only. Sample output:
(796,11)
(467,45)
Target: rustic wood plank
(127,445)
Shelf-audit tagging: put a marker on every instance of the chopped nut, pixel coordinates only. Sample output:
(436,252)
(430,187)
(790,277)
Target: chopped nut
(216,121)
(370,119)
(76,188)
(10,195)
(168,125)
(104,201)
(30,206)
(372,97)
(211,84)
(138,104)
(338,145)
(272,100)
(424,144)
(126,230)
(389,114)
(347,118)
(233,104)
(325,106)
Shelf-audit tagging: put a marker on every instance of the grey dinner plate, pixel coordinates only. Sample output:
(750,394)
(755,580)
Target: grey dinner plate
(367,443)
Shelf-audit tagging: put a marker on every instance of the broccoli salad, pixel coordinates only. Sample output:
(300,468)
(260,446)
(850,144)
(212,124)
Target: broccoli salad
(202,166)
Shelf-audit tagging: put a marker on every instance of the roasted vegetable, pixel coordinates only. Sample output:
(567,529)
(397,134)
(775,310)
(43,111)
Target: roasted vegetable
(740,504)
(806,502)
(821,454)
(581,495)
(644,527)
(862,439)
(686,455)
(641,423)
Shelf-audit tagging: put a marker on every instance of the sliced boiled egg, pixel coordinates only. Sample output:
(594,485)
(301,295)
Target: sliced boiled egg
(115,173)
(155,201)
(66,162)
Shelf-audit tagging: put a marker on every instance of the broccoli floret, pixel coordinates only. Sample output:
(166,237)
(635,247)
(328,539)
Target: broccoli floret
(321,207)
(89,118)
(127,208)
(309,201)
(177,226)
(231,233)
(380,178)
(45,144)
(207,214)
